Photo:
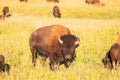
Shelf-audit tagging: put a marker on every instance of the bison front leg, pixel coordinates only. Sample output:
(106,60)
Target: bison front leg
(113,65)
(54,64)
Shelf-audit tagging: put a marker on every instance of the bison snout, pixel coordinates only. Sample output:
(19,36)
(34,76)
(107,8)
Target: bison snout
(68,57)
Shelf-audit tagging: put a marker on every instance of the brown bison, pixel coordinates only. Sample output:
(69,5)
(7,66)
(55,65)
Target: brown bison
(92,1)
(56,12)
(23,0)
(53,1)
(55,42)
(97,2)
(3,66)
(112,56)
(5,12)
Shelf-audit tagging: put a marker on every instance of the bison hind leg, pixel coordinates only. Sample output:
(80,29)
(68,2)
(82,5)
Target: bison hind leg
(34,56)
(43,60)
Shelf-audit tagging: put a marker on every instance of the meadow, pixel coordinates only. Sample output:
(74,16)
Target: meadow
(97,27)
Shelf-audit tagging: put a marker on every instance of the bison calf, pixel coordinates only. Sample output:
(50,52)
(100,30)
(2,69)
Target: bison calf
(56,12)
(55,42)
(112,56)
(3,66)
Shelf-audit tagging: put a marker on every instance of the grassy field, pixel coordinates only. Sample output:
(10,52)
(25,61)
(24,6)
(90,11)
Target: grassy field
(98,28)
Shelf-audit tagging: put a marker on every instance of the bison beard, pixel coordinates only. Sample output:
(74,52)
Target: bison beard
(55,42)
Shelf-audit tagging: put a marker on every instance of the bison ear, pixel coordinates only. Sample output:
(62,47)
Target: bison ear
(77,42)
(60,41)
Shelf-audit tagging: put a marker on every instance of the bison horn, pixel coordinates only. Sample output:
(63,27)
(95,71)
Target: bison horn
(60,41)
(77,42)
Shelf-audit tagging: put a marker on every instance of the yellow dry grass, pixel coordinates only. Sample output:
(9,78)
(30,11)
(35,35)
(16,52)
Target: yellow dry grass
(96,37)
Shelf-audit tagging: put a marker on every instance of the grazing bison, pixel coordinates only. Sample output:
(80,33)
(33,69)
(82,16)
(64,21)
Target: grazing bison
(53,1)
(23,0)
(56,12)
(95,2)
(112,56)
(5,12)
(3,66)
(92,1)
(55,42)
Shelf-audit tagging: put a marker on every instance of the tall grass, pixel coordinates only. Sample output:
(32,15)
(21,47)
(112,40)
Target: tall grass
(73,9)
(97,33)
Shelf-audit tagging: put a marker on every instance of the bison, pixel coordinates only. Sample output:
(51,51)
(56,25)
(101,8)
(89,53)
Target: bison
(4,66)
(112,56)
(5,12)
(23,0)
(92,1)
(55,42)
(53,1)
(56,12)
(95,2)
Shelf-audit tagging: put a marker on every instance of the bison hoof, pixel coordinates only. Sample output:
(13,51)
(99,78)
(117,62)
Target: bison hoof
(33,65)
(54,67)
(66,66)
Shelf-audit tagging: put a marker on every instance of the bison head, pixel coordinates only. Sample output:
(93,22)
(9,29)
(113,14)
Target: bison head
(106,61)
(68,44)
